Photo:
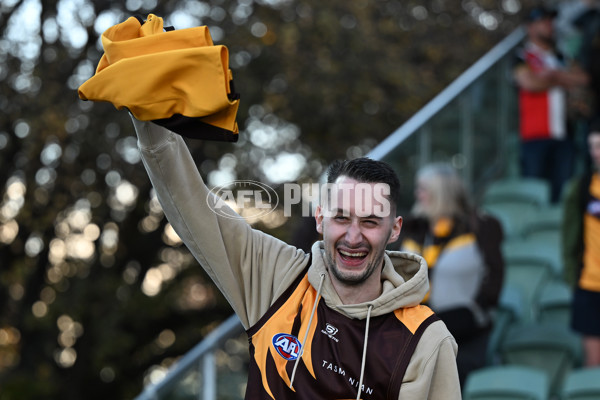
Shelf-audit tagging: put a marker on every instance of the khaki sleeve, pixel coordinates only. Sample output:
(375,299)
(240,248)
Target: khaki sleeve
(250,267)
(432,373)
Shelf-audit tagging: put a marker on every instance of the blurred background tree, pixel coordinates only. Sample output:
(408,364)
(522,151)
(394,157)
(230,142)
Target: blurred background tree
(97,293)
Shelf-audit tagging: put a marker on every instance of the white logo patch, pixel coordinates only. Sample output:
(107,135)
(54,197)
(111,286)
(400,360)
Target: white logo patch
(330,331)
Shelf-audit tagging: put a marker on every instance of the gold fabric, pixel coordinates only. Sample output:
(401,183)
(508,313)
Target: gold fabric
(158,74)
(590,274)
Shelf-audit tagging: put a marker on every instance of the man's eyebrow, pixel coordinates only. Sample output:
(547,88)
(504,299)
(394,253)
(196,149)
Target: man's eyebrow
(340,211)
(373,216)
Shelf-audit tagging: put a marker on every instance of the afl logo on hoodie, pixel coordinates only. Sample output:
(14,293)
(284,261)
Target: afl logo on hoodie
(288,346)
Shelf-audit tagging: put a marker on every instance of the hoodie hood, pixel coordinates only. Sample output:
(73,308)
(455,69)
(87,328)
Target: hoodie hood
(404,284)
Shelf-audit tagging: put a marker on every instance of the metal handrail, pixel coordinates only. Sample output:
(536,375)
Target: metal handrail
(193,358)
(451,92)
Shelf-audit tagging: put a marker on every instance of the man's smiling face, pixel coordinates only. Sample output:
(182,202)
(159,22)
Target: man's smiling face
(355,234)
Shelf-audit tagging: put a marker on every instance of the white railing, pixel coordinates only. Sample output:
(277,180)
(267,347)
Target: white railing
(200,357)
(446,96)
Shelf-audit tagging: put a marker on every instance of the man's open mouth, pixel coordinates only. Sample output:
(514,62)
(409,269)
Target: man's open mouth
(352,256)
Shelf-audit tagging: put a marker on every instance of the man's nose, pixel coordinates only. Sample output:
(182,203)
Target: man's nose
(354,234)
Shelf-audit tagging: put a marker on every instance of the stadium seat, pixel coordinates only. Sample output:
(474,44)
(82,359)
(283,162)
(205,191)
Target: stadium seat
(545,221)
(554,349)
(508,312)
(520,250)
(518,190)
(528,277)
(543,230)
(582,384)
(506,382)
(512,216)
(553,303)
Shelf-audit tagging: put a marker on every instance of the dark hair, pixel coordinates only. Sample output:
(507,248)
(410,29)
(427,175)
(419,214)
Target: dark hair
(366,170)
(541,12)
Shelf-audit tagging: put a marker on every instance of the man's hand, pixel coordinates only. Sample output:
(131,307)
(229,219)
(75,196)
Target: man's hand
(540,81)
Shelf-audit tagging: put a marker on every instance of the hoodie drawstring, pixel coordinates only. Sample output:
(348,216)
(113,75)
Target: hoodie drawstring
(364,355)
(312,314)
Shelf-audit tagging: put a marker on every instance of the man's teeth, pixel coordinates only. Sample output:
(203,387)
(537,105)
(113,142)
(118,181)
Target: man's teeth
(345,253)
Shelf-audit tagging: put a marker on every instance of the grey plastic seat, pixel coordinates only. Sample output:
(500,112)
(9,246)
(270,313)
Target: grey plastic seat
(534,251)
(552,348)
(545,221)
(553,303)
(508,313)
(506,382)
(528,277)
(582,384)
(518,190)
(512,216)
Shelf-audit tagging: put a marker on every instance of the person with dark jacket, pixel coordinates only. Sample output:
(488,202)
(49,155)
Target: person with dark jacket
(581,249)
(342,321)
(462,247)
(544,80)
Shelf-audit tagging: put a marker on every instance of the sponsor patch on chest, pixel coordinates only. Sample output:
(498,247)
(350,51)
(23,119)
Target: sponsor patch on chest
(288,346)
(330,331)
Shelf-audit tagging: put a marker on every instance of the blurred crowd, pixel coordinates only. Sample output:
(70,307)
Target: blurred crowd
(557,71)
(557,75)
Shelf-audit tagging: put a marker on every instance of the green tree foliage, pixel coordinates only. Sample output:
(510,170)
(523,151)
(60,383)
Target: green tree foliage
(96,291)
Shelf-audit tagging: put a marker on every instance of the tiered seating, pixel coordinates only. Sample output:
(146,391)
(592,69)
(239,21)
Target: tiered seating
(512,216)
(545,225)
(532,235)
(582,384)
(508,313)
(552,348)
(553,303)
(528,266)
(518,190)
(513,201)
(508,382)
(532,321)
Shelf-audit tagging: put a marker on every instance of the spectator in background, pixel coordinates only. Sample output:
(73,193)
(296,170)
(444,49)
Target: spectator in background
(547,149)
(588,53)
(462,249)
(581,249)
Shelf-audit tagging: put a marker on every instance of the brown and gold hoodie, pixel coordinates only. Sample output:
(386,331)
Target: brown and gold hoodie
(304,343)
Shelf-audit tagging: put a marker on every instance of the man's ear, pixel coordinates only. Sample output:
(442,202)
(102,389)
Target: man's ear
(319,219)
(396,228)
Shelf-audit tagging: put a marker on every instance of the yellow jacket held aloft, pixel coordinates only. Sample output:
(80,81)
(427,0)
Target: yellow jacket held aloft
(176,78)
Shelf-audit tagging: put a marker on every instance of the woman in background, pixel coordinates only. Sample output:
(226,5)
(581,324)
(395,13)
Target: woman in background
(462,248)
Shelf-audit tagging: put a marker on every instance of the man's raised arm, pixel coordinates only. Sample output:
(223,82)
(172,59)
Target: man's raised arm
(250,267)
